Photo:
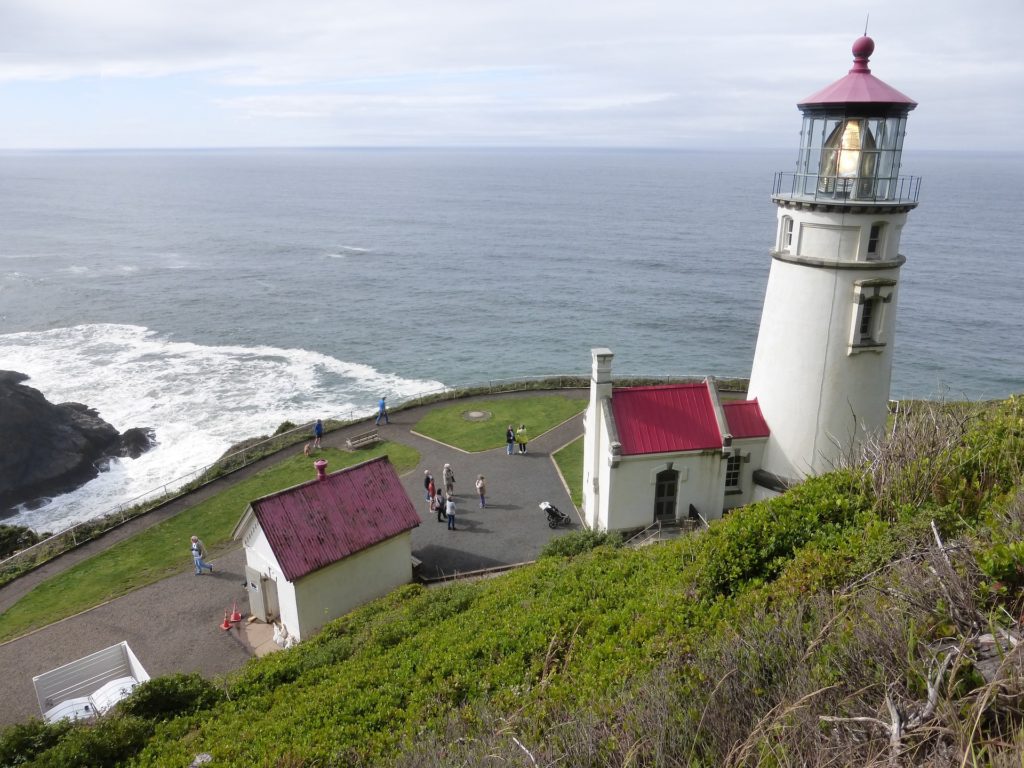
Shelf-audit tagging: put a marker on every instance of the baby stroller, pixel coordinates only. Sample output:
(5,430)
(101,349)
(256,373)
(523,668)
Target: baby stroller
(556,517)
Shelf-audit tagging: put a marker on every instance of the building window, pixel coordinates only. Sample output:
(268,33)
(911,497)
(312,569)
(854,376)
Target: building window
(732,473)
(666,488)
(787,233)
(875,242)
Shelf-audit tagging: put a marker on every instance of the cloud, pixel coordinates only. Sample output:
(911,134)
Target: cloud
(573,70)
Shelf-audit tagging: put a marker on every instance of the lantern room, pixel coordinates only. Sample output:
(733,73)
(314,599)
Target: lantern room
(851,141)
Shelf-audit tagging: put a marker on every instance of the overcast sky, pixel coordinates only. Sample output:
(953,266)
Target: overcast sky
(628,73)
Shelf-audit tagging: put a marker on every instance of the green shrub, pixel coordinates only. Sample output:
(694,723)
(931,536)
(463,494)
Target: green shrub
(578,542)
(16,537)
(284,426)
(22,742)
(163,698)
(105,743)
(752,545)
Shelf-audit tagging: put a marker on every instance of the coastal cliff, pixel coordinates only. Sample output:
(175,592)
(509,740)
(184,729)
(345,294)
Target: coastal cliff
(54,448)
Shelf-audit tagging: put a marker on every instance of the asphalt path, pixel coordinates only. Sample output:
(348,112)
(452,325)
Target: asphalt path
(174,625)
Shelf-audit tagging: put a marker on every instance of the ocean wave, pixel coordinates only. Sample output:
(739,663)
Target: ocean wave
(200,399)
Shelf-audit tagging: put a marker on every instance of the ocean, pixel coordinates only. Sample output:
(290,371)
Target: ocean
(212,295)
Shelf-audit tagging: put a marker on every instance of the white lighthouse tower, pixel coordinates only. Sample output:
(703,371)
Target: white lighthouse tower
(823,360)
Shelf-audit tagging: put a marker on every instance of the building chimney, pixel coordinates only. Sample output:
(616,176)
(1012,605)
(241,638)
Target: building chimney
(321,469)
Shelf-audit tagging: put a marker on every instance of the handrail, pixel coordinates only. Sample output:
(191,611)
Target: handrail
(179,486)
(638,534)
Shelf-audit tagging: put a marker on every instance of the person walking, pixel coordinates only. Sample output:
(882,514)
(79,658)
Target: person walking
(481,489)
(449,510)
(428,484)
(318,432)
(440,507)
(521,438)
(448,475)
(382,411)
(198,553)
(510,439)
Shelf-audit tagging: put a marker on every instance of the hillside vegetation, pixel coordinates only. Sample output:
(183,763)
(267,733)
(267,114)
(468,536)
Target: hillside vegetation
(869,616)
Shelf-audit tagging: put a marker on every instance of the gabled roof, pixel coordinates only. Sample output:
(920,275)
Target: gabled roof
(665,419)
(859,86)
(674,418)
(320,522)
(745,419)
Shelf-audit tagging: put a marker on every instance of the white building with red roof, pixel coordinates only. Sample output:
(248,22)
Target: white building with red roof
(316,551)
(665,453)
(823,362)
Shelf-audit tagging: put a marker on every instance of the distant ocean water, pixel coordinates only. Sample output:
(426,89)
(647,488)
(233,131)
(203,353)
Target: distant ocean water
(213,295)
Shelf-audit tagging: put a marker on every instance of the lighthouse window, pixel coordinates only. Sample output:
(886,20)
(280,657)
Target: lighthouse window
(867,331)
(867,313)
(787,234)
(848,154)
(874,242)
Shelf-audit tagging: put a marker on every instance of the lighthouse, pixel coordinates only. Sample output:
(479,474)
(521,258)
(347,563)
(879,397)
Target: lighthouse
(823,361)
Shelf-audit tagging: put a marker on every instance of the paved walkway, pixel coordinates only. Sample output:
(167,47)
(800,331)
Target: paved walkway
(173,625)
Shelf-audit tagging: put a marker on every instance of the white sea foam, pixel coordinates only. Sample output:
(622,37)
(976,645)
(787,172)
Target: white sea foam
(199,399)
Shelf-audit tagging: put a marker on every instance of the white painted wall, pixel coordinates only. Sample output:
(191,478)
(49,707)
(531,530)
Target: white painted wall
(260,557)
(820,396)
(336,589)
(754,448)
(631,496)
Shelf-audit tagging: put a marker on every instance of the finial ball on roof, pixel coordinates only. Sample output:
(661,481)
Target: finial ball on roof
(863,47)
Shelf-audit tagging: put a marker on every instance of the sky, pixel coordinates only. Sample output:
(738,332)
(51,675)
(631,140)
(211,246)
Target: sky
(491,73)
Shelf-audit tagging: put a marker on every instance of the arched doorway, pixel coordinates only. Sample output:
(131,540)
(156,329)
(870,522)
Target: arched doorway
(666,490)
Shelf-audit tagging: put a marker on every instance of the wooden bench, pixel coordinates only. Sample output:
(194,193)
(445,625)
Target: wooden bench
(366,438)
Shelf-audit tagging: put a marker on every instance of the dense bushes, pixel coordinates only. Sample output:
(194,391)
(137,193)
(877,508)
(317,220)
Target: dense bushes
(578,542)
(16,537)
(102,744)
(20,743)
(163,698)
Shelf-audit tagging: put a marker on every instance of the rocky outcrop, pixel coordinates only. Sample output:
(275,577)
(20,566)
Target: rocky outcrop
(50,449)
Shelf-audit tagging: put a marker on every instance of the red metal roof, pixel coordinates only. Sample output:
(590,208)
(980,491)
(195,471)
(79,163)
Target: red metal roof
(859,86)
(664,419)
(320,522)
(745,419)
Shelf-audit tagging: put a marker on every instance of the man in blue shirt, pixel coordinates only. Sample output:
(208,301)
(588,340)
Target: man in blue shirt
(382,411)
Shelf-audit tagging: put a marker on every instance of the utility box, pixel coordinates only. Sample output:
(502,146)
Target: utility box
(90,686)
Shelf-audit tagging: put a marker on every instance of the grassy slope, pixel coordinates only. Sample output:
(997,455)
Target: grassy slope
(539,414)
(160,551)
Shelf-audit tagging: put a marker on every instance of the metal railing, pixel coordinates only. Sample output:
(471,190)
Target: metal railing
(638,539)
(107,520)
(837,189)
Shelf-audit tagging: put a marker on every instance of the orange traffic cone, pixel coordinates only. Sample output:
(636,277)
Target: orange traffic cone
(235,615)
(225,624)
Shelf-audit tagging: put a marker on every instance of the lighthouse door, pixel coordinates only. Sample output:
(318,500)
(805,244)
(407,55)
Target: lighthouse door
(666,489)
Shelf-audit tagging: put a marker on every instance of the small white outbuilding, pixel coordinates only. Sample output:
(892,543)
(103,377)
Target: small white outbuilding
(316,551)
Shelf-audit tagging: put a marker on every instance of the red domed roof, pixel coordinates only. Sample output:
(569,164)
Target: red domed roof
(859,86)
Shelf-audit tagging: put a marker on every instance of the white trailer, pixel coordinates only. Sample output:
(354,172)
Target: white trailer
(88,687)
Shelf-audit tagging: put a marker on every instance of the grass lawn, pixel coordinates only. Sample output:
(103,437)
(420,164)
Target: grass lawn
(539,414)
(570,464)
(161,551)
